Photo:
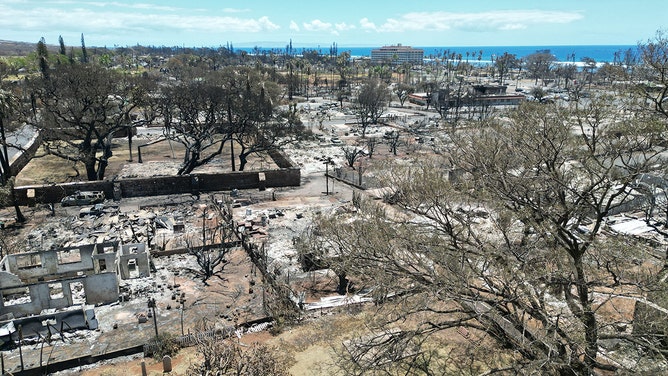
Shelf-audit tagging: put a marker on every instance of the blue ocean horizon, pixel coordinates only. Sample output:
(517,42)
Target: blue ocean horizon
(600,53)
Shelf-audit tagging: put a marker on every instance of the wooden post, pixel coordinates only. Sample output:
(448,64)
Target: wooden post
(20,346)
(327,177)
(204,228)
(182,307)
(151,305)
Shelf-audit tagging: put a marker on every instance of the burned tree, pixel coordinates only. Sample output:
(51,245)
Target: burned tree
(263,137)
(371,103)
(225,357)
(516,250)
(351,154)
(194,115)
(257,128)
(654,70)
(539,65)
(371,144)
(211,259)
(504,64)
(250,117)
(81,107)
(218,240)
(403,91)
(393,141)
(8,111)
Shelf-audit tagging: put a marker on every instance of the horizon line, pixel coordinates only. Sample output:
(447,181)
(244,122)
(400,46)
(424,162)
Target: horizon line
(273,44)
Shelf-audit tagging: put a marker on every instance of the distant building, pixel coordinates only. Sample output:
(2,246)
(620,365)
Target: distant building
(397,55)
(419,98)
(494,95)
(473,98)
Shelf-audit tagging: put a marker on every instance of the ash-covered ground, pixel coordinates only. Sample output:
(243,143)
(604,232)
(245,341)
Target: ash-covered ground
(237,294)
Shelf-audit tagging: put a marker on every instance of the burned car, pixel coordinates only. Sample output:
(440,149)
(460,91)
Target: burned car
(83,198)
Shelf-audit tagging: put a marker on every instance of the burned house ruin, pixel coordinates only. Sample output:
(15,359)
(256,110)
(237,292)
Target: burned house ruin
(42,282)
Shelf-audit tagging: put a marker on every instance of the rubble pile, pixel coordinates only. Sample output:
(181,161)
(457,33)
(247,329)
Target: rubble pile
(153,225)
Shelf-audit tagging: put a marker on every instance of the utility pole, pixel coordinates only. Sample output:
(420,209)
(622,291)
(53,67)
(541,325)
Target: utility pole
(151,305)
(21,346)
(183,303)
(327,177)
(327,163)
(203,225)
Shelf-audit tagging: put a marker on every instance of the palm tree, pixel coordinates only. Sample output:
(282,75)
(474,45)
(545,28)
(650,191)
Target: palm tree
(590,65)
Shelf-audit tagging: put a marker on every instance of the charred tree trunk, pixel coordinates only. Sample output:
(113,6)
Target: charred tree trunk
(243,160)
(7,173)
(342,287)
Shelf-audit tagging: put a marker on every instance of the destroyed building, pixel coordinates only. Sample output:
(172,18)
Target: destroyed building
(42,282)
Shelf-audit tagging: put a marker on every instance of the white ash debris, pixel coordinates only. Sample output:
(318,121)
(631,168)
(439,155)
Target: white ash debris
(311,156)
(149,168)
(134,226)
(280,249)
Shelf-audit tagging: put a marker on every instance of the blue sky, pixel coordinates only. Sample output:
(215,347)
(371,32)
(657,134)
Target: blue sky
(272,23)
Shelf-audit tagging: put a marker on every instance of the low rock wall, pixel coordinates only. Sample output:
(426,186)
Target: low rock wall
(165,185)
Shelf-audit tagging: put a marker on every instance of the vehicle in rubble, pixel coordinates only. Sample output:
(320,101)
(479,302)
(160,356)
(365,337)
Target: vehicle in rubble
(83,198)
(94,210)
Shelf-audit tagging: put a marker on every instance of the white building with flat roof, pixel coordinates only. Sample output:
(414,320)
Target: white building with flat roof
(397,55)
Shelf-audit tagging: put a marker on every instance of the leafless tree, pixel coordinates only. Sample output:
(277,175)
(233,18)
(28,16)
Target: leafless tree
(515,248)
(351,154)
(371,103)
(8,111)
(402,91)
(566,71)
(371,144)
(654,69)
(217,242)
(505,63)
(81,106)
(211,260)
(225,357)
(538,93)
(194,114)
(539,65)
(255,127)
(393,142)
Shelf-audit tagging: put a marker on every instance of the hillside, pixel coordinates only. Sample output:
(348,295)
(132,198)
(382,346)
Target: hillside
(12,48)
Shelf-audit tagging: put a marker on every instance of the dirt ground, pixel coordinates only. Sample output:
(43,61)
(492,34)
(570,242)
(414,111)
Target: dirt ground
(309,344)
(160,159)
(310,348)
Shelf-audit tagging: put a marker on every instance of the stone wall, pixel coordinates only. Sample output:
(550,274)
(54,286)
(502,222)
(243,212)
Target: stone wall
(281,159)
(53,193)
(156,186)
(289,176)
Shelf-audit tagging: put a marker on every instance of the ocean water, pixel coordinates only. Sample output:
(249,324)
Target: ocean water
(600,53)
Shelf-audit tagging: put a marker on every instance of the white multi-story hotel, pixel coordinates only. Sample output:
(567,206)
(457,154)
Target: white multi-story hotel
(397,55)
